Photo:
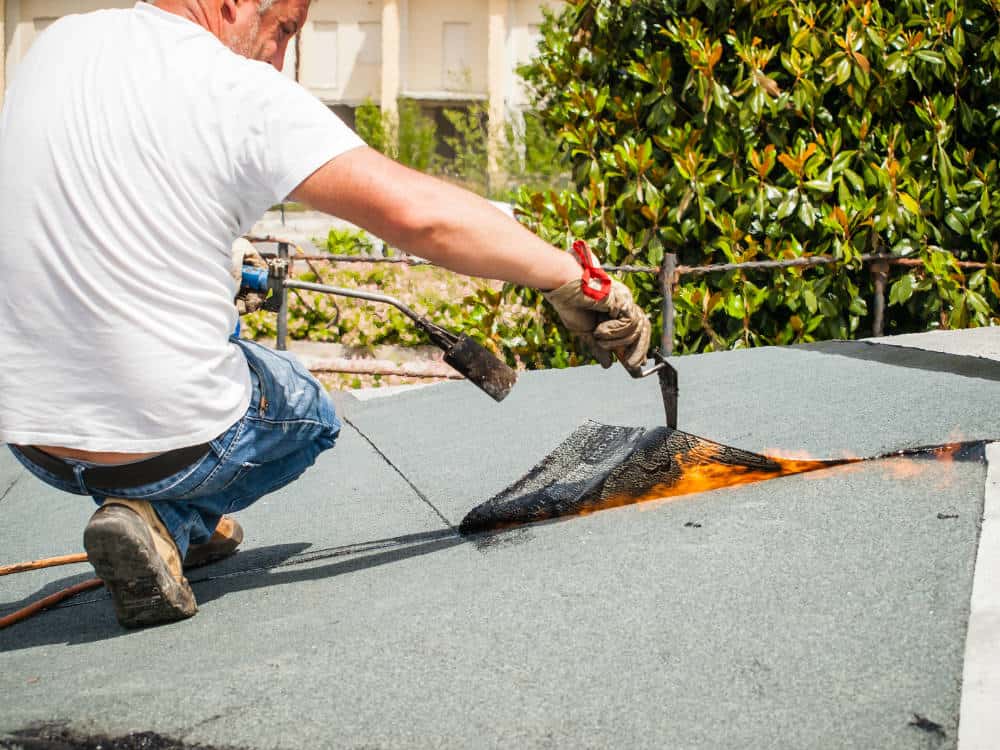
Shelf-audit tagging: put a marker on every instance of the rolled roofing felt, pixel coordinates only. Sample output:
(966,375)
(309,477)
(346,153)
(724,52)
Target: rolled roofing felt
(600,467)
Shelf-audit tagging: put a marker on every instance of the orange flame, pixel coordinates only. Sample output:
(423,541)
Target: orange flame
(920,462)
(705,468)
(905,468)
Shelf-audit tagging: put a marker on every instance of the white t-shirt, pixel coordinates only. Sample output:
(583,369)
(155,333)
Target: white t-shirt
(134,148)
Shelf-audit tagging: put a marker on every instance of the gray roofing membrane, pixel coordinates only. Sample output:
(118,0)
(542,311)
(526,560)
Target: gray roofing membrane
(821,610)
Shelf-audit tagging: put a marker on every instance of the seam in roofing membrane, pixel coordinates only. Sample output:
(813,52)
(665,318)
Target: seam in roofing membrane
(979,723)
(395,468)
(3,495)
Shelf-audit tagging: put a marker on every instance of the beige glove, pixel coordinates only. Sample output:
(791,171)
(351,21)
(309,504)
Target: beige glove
(245,254)
(611,325)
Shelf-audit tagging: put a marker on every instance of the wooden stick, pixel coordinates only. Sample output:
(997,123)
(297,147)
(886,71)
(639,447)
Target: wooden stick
(420,369)
(50,562)
(49,601)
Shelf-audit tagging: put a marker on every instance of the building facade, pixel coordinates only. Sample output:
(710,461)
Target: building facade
(352,51)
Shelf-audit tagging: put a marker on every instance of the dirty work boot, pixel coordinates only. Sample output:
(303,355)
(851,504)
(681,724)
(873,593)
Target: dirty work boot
(227,537)
(135,556)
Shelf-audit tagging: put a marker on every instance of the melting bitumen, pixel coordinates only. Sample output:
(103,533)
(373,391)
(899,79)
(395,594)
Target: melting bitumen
(600,467)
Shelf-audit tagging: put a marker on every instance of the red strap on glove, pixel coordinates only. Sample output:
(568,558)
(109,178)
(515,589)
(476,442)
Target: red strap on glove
(596,283)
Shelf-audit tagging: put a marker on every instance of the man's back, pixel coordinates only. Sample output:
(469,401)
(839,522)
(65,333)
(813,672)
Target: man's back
(134,146)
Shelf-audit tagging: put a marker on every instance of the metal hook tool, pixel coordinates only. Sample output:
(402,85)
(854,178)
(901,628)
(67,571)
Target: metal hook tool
(480,366)
(669,389)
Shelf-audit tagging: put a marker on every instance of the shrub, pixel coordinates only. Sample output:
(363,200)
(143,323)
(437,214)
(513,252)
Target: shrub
(773,129)
(410,137)
(528,156)
(349,242)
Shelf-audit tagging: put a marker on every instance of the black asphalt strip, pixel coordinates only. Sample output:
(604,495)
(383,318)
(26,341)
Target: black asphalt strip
(599,467)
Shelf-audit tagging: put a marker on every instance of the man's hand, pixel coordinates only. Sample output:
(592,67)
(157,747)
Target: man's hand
(603,314)
(245,254)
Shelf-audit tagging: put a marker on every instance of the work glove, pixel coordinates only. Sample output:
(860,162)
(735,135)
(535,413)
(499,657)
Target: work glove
(245,254)
(602,313)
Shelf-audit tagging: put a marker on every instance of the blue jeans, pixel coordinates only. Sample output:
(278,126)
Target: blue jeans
(289,422)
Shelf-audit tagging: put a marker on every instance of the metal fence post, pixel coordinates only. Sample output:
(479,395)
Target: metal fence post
(282,343)
(880,273)
(668,272)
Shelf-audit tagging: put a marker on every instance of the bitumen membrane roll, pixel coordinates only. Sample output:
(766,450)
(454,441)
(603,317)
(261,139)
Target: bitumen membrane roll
(602,466)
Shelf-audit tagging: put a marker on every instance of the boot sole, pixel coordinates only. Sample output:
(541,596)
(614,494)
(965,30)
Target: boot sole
(123,554)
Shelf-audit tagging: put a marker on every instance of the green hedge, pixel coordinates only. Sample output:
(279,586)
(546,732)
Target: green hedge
(773,129)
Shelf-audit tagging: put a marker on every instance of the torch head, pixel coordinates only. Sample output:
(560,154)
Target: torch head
(481,367)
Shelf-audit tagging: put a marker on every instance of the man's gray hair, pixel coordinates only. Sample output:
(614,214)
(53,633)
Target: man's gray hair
(264,6)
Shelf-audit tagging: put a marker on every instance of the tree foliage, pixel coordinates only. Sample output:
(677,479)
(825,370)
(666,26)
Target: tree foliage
(775,129)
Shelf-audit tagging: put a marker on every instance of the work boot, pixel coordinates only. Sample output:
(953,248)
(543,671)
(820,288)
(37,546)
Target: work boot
(223,543)
(135,556)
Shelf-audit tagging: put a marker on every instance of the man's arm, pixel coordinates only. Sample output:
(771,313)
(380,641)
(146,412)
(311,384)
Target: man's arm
(437,221)
(461,231)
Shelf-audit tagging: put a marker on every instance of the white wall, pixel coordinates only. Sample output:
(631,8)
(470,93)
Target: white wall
(429,65)
(444,55)
(340,50)
(526,19)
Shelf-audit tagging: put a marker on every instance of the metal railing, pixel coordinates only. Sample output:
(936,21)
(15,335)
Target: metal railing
(669,274)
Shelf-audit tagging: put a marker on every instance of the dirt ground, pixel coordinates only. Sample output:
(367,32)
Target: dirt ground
(350,381)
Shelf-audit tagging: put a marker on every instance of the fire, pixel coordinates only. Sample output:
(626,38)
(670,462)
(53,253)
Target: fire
(905,468)
(668,464)
(706,467)
(791,454)
(918,462)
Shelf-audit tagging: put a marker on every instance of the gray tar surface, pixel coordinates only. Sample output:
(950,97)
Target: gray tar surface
(826,610)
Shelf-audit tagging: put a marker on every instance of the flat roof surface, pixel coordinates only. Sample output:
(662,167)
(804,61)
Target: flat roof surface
(821,610)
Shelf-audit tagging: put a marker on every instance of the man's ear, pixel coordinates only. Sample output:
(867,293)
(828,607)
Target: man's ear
(228,10)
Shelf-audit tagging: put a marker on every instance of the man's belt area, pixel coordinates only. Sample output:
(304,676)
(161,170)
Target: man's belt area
(121,476)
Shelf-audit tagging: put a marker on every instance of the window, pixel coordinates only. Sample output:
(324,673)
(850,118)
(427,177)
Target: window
(457,67)
(321,49)
(371,44)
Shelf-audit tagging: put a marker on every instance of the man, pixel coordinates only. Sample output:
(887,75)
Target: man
(135,146)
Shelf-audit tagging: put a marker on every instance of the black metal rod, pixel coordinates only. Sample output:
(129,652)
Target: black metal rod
(440,337)
(282,337)
(670,391)
(354,293)
(667,274)
(880,272)
(408,260)
(682,271)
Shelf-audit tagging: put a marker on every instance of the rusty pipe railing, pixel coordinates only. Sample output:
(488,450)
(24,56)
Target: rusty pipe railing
(669,274)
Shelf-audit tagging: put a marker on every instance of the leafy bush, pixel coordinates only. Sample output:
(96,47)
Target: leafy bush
(533,159)
(468,148)
(410,137)
(349,242)
(774,129)
(528,156)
